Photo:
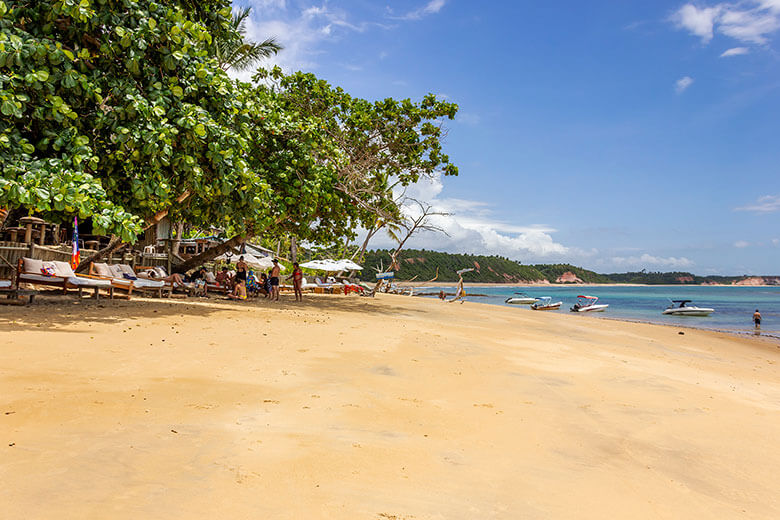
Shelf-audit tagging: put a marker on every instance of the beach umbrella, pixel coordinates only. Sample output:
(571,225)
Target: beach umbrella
(348,265)
(322,265)
(265,262)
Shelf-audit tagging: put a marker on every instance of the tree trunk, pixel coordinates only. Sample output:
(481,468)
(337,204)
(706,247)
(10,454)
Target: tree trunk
(293,249)
(177,243)
(113,244)
(209,254)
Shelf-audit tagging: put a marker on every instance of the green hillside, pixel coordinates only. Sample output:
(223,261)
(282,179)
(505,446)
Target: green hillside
(422,264)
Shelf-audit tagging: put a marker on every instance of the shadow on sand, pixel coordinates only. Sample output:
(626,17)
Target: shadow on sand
(53,310)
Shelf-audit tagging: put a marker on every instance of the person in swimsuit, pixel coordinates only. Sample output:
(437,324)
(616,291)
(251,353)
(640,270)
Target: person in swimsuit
(757,320)
(275,280)
(241,270)
(240,292)
(297,278)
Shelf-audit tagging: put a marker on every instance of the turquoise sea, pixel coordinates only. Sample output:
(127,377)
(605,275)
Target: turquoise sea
(733,306)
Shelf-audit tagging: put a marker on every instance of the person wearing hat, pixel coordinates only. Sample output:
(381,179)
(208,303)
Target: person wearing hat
(275,280)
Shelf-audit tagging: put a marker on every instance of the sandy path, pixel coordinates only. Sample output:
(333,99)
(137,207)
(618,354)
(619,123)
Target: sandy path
(379,408)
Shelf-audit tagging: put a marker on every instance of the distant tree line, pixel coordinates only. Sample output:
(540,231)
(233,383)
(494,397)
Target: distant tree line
(423,265)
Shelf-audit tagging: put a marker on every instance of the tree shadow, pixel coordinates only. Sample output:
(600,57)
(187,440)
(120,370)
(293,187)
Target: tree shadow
(52,311)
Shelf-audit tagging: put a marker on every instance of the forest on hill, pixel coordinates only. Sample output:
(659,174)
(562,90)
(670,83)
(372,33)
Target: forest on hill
(423,265)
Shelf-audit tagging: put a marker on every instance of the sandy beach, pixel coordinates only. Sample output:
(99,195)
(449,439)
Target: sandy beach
(385,408)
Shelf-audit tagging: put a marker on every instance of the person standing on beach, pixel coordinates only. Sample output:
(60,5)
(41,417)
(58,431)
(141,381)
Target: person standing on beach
(275,280)
(757,320)
(241,270)
(297,279)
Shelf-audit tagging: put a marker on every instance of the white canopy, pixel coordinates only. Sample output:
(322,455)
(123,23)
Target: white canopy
(322,265)
(332,265)
(265,262)
(348,265)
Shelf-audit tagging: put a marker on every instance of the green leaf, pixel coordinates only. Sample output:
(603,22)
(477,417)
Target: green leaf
(152,23)
(8,108)
(177,91)
(200,130)
(41,75)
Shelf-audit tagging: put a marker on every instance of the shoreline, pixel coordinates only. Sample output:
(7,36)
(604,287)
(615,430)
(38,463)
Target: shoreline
(502,284)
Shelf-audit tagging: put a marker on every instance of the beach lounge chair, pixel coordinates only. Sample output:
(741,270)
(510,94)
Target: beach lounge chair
(123,277)
(307,285)
(159,274)
(212,285)
(327,287)
(59,274)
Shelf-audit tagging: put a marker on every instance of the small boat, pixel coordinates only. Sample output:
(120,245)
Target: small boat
(683,309)
(588,304)
(520,299)
(545,303)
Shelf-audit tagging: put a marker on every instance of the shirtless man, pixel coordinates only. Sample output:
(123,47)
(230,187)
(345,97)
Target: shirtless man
(275,271)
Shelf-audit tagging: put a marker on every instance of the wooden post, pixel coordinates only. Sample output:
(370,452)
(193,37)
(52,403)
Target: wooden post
(28,233)
(42,238)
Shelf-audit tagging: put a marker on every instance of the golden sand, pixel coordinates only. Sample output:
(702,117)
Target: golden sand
(385,408)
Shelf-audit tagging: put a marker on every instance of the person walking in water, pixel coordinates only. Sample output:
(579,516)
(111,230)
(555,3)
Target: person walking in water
(757,320)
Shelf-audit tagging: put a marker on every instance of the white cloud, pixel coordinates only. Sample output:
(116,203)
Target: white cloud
(776,241)
(647,260)
(472,228)
(741,244)
(748,21)
(682,84)
(765,204)
(432,7)
(699,21)
(302,32)
(735,51)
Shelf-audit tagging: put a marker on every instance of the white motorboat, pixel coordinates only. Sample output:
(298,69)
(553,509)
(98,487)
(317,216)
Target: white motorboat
(683,309)
(520,299)
(545,303)
(588,304)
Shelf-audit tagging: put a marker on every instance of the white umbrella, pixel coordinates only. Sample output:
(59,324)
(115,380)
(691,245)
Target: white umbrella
(348,265)
(250,260)
(322,265)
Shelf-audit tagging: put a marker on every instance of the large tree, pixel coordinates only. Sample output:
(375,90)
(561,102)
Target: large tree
(115,110)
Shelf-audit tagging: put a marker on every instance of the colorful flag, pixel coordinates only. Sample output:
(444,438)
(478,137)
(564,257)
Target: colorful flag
(75,255)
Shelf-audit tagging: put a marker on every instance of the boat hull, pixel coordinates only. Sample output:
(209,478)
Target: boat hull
(520,301)
(552,307)
(591,308)
(690,311)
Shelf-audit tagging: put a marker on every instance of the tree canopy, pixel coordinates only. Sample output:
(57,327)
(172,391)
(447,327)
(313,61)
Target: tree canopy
(119,110)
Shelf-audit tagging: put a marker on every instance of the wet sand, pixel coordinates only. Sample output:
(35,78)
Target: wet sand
(385,408)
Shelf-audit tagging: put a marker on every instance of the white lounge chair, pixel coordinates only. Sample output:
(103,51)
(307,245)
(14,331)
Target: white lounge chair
(123,277)
(59,274)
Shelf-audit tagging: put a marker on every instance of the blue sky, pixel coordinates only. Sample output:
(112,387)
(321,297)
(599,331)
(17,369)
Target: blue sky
(616,135)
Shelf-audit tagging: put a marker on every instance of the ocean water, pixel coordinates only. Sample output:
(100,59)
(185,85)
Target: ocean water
(734,306)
